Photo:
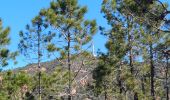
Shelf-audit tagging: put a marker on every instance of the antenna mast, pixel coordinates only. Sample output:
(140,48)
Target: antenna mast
(93,50)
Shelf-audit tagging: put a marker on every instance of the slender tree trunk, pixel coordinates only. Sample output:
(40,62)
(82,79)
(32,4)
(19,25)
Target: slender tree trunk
(142,84)
(130,45)
(131,61)
(68,55)
(152,72)
(69,66)
(119,81)
(131,55)
(167,87)
(120,86)
(105,92)
(105,95)
(135,96)
(131,66)
(39,66)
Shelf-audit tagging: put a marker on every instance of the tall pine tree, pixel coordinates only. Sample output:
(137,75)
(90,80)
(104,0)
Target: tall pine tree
(34,41)
(72,31)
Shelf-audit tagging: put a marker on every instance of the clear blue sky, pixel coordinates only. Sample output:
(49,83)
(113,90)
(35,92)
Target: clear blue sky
(17,13)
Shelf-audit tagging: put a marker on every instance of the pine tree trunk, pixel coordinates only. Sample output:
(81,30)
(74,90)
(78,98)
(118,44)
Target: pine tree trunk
(131,56)
(131,62)
(142,84)
(130,47)
(39,55)
(120,86)
(119,82)
(69,66)
(105,92)
(152,72)
(135,96)
(167,87)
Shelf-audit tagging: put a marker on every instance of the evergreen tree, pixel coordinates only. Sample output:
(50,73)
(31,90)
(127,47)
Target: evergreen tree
(34,41)
(72,30)
(14,85)
(5,53)
(122,45)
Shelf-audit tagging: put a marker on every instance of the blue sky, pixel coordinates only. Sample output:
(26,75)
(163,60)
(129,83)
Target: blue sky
(17,13)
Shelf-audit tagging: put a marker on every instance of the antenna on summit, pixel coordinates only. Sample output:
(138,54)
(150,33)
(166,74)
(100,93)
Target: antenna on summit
(93,50)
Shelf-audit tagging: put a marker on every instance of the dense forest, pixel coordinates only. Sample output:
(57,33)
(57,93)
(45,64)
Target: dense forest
(135,66)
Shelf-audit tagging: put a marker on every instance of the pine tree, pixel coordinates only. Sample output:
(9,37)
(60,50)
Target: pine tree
(12,85)
(34,41)
(72,30)
(5,53)
(163,56)
(122,46)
